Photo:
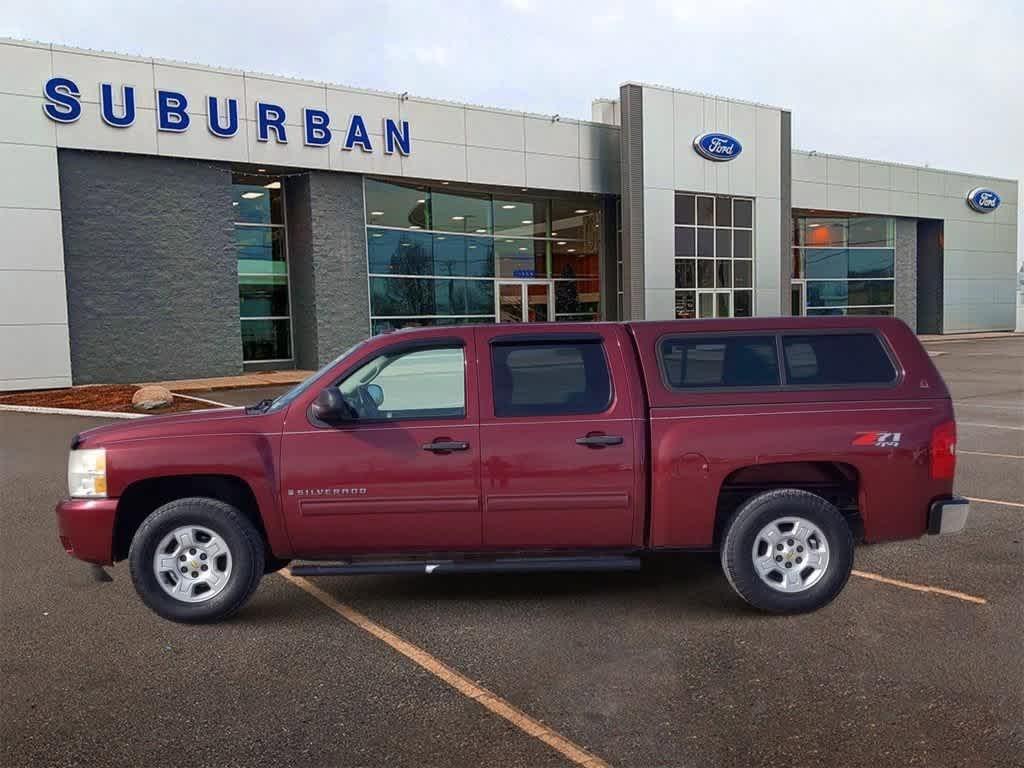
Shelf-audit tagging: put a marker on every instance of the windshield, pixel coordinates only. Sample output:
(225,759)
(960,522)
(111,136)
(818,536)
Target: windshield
(283,401)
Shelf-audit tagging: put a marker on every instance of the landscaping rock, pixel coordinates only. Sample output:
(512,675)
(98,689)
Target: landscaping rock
(148,398)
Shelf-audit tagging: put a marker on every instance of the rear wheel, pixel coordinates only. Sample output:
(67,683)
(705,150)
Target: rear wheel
(196,560)
(787,551)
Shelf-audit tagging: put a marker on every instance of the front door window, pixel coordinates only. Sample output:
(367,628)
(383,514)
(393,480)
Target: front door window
(524,301)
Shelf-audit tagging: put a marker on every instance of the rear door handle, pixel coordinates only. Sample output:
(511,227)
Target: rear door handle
(446,446)
(599,441)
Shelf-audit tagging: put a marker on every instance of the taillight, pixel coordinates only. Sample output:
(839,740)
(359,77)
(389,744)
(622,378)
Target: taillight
(943,451)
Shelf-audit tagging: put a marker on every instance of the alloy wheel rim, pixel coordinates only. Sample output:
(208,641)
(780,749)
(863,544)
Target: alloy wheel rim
(192,564)
(790,554)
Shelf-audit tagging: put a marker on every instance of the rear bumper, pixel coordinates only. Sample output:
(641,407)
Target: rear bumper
(86,528)
(948,515)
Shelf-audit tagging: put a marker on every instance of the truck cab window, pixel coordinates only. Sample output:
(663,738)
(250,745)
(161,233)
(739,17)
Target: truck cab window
(550,378)
(419,383)
(722,361)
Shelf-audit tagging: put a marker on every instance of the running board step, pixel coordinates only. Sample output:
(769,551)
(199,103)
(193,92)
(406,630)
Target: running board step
(505,565)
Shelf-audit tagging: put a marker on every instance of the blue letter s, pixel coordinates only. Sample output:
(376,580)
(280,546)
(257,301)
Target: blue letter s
(62,100)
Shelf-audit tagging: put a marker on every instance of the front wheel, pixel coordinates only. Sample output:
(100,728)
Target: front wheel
(787,551)
(196,560)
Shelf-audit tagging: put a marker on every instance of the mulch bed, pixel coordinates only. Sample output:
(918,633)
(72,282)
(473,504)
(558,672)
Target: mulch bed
(99,397)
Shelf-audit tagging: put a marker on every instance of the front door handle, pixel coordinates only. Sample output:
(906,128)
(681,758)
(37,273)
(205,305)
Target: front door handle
(599,441)
(446,446)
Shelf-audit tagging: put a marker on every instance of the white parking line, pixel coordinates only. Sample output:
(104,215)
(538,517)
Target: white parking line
(960,452)
(988,426)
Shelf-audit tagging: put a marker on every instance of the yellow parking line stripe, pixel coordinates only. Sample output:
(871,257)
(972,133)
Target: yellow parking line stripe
(490,701)
(920,587)
(996,501)
(983,453)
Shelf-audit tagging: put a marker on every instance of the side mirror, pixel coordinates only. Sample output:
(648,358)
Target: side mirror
(331,407)
(376,393)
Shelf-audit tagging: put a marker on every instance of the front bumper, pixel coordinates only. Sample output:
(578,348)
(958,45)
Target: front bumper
(86,528)
(948,515)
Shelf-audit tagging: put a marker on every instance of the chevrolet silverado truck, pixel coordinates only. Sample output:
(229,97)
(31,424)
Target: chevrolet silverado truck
(778,442)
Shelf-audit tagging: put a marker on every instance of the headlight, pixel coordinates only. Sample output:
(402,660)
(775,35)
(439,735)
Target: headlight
(87,473)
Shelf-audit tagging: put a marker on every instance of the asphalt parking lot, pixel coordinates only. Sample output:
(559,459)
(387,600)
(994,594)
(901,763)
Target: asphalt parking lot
(665,667)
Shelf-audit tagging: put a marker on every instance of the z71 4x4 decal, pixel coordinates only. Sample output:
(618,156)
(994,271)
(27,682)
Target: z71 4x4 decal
(878,439)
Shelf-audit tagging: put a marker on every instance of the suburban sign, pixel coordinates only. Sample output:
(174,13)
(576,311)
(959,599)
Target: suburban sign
(717,146)
(983,200)
(63,105)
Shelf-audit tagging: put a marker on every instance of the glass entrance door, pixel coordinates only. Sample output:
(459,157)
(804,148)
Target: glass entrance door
(714,304)
(798,298)
(522,301)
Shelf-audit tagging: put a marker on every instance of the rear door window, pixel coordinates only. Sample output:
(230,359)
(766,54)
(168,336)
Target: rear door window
(836,359)
(550,378)
(693,362)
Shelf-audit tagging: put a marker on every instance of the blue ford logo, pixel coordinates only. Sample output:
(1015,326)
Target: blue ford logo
(983,200)
(717,146)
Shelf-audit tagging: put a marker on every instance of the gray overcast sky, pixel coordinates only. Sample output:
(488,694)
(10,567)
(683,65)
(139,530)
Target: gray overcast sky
(936,82)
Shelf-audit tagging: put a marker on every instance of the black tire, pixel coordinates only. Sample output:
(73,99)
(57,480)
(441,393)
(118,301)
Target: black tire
(275,564)
(743,529)
(241,537)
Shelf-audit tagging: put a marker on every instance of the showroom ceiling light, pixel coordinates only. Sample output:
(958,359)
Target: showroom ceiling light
(561,242)
(527,221)
(581,210)
(508,206)
(458,218)
(272,185)
(422,200)
(376,213)
(251,195)
(481,230)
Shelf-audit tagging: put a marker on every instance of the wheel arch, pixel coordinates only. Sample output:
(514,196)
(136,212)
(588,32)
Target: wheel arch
(837,482)
(143,497)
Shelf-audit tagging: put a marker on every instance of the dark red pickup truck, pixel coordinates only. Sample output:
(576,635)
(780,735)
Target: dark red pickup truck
(777,441)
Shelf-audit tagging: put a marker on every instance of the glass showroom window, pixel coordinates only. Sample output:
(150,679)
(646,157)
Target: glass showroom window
(845,264)
(442,255)
(264,304)
(714,256)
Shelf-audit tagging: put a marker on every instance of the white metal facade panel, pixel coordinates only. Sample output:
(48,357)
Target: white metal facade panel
(671,121)
(34,347)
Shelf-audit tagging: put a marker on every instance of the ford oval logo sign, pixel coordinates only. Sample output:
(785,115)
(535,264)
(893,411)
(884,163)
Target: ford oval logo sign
(717,146)
(983,200)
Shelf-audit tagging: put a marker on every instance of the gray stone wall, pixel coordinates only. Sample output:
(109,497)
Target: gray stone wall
(152,279)
(327,249)
(301,271)
(906,271)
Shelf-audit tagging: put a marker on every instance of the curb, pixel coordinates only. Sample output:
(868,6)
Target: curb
(71,412)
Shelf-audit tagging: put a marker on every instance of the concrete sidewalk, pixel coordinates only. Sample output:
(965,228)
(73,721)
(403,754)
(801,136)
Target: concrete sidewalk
(977,336)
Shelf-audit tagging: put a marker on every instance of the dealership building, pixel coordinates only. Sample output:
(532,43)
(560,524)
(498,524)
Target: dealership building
(164,220)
